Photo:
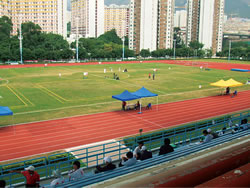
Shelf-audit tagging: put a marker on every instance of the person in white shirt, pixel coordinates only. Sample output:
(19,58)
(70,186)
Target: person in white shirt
(223,131)
(77,172)
(208,137)
(138,149)
(58,178)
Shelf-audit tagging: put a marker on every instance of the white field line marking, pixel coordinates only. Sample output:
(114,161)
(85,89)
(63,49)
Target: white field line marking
(4,84)
(141,118)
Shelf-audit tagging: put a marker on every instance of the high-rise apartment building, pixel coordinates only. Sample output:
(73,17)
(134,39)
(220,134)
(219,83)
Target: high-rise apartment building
(88,17)
(205,23)
(180,19)
(117,17)
(49,15)
(151,24)
(4,8)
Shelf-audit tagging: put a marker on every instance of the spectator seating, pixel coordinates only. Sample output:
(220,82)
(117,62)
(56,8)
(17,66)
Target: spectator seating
(181,152)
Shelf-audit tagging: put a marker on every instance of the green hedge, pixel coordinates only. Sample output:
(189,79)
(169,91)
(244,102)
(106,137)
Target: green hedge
(36,162)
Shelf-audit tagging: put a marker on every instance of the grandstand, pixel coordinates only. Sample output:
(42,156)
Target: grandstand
(185,138)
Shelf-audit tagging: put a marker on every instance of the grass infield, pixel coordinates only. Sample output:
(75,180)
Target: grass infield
(36,94)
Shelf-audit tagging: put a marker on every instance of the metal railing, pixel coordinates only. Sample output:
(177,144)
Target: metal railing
(93,156)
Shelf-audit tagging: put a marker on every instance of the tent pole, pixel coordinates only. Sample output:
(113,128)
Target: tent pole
(140,107)
(157,104)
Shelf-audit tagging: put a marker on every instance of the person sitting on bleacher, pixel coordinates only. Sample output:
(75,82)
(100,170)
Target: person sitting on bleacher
(222,132)
(214,134)
(145,154)
(108,166)
(208,137)
(166,148)
(129,160)
(77,172)
(32,177)
(58,178)
(137,151)
(244,125)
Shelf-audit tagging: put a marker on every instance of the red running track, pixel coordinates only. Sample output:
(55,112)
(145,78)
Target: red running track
(211,65)
(39,137)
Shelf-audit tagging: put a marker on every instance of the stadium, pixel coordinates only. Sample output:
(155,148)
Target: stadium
(62,113)
(124,93)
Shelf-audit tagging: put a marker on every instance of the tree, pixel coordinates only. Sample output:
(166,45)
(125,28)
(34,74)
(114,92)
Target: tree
(110,36)
(209,53)
(5,27)
(177,37)
(145,53)
(195,45)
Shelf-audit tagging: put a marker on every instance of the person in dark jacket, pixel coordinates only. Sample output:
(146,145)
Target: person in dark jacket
(166,148)
(145,154)
(107,167)
(214,134)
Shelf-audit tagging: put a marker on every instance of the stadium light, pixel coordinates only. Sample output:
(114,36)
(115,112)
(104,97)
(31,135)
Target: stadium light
(21,43)
(77,40)
(123,40)
(229,50)
(174,47)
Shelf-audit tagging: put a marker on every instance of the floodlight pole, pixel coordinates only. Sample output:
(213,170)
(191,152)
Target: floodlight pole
(174,47)
(123,48)
(21,43)
(123,40)
(77,40)
(229,50)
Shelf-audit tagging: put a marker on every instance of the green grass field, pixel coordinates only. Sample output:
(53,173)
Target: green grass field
(36,94)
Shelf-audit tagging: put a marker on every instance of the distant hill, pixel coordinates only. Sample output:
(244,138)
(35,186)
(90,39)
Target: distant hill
(239,8)
(236,8)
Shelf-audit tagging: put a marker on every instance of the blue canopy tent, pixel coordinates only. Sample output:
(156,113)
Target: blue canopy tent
(5,111)
(141,93)
(126,96)
(144,93)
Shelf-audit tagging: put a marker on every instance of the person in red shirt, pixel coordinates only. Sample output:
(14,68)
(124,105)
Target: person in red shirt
(149,76)
(32,177)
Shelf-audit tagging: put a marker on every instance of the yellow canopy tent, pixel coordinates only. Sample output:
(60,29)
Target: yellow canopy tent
(233,83)
(220,83)
(224,84)
(229,83)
